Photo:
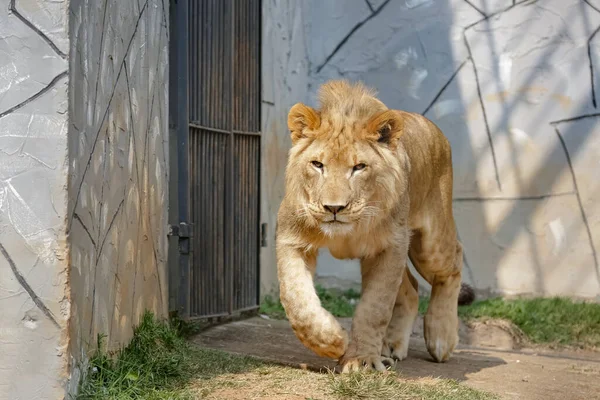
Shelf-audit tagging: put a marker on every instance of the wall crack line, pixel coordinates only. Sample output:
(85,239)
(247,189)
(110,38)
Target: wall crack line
(133,139)
(352,31)
(164,18)
(579,201)
(477,9)
(560,121)
(23,282)
(85,228)
(485,119)
(108,229)
(13,9)
(487,125)
(441,91)
(591,5)
(87,166)
(99,250)
(100,59)
(589,52)
(35,96)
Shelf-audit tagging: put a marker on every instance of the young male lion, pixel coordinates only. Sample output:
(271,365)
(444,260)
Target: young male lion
(375,184)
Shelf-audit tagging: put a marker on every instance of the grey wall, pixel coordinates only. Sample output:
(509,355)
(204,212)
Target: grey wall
(513,85)
(34,296)
(285,81)
(118,168)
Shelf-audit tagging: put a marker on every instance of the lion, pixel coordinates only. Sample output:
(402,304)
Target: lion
(374,184)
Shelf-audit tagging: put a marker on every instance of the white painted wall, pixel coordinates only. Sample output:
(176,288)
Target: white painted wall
(515,87)
(34,296)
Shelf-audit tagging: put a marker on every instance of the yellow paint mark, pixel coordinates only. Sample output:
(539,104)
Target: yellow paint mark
(564,101)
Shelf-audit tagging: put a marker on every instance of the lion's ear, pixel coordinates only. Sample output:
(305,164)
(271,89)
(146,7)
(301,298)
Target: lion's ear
(300,118)
(386,127)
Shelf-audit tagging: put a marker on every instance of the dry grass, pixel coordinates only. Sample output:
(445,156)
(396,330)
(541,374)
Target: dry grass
(390,386)
(279,383)
(160,364)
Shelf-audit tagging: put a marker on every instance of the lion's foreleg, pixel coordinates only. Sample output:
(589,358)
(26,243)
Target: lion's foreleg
(316,328)
(381,279)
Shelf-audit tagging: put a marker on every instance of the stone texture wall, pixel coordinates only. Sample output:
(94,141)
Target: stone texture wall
(118,168)
(34,296)
(515,87)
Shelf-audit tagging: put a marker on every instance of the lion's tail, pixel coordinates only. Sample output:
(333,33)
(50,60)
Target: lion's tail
(466,295)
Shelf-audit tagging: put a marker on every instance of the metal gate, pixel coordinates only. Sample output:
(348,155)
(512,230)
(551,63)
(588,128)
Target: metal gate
(218,267)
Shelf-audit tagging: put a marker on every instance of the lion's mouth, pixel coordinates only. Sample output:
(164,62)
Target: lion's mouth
(334,221)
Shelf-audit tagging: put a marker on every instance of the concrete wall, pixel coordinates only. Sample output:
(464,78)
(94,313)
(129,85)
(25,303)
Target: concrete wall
(118,168)
(515,87)
(34,295)
(285,80)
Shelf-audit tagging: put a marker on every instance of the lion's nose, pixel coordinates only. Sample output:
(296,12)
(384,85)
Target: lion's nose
(334,209)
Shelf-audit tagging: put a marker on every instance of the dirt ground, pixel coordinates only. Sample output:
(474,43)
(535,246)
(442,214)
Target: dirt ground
(511,374)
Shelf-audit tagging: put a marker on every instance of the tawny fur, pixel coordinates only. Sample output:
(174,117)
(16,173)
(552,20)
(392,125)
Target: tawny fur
(387,175)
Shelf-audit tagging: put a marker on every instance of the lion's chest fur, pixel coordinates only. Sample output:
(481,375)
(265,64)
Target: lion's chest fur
(361,244)
(347,248)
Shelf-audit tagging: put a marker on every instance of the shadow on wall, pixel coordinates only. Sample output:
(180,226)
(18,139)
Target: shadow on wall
(513,85)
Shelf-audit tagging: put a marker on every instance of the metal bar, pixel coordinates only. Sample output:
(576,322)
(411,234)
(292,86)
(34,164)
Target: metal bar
(218,315)
(173,256)
(246,133)
(229,207)
(208,129)
(224,314)
(179,116)
(260,144)
(249,308)
(224,131)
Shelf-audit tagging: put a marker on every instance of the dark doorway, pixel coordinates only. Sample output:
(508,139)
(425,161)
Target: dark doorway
(217,273)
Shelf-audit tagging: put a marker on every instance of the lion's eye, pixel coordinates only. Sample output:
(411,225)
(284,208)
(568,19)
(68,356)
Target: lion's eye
(358,167)
(317,164)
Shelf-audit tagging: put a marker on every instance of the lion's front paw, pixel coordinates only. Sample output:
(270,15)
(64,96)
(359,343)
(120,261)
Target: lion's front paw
(441,336)
(349,364)
(397,349)
(332,347)
(328,339)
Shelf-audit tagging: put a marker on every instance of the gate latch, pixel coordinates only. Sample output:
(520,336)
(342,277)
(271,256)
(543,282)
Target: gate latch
(183,230)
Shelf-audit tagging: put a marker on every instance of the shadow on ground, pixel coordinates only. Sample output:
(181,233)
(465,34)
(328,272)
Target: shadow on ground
(274,341)
(510,374)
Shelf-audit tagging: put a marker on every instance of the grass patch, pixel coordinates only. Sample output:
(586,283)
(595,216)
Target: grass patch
(156,364)
(272,307)
(555,321)
(549,321)
(390,386)
(423,304)
(339,303)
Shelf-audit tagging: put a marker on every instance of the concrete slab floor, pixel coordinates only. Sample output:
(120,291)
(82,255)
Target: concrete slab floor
(510,374)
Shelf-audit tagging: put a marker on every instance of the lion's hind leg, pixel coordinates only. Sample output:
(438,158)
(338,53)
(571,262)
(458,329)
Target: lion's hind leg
(437,255)
(395,343)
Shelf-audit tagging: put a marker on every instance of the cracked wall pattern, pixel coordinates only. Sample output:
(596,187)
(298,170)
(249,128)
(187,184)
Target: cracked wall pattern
(118,168)
(34,297)
(514,86)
